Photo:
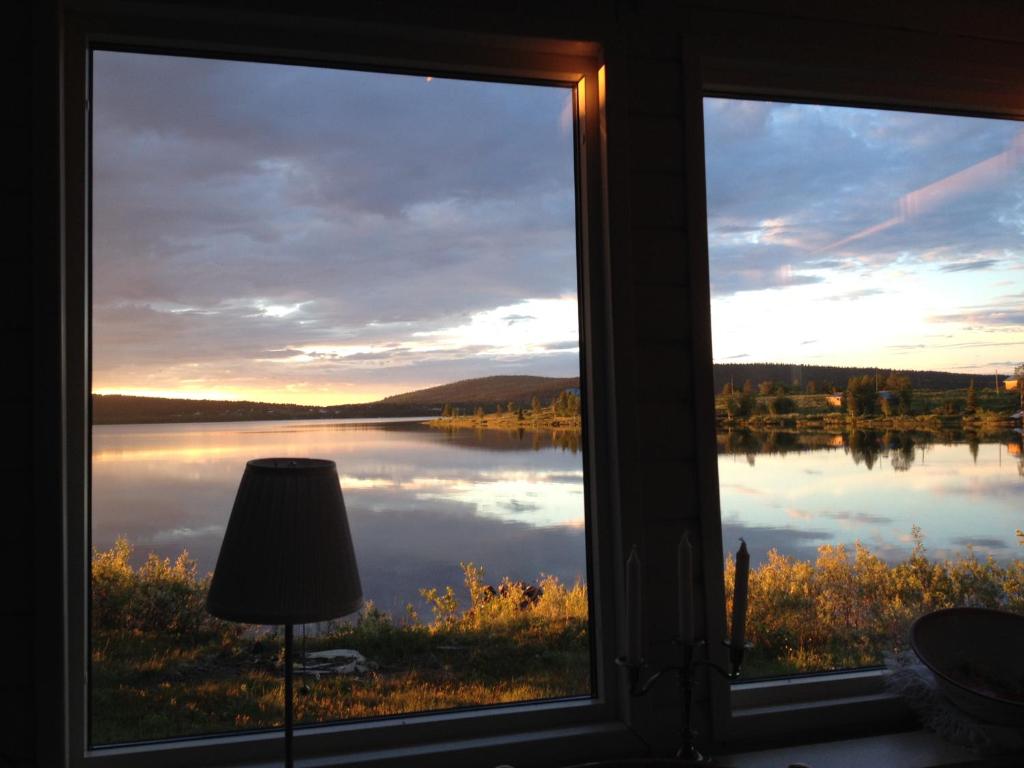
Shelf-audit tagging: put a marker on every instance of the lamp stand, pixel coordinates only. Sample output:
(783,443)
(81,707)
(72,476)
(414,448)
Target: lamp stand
(289,714)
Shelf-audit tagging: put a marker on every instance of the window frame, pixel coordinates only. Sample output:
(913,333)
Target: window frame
(568,728)
(807,61)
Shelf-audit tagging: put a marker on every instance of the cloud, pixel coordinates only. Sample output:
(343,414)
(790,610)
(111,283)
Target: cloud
(969,266)
(864,518)
(513,319)
(854,190)
(985,316)
(800,543)
(981,542)
(859,294)
(562,346)
(746,490)
(245,207)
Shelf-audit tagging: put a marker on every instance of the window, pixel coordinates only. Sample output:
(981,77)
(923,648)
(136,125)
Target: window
(520,499)
(865,273)
(275,242)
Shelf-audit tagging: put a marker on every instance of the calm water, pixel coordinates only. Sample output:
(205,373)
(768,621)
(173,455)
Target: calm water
(795,493)
(422,500)
(419,500)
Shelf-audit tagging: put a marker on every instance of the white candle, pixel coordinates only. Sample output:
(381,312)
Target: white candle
(739,597)
(684,564)
(634,624)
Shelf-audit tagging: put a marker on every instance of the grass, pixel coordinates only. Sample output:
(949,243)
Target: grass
(163,668)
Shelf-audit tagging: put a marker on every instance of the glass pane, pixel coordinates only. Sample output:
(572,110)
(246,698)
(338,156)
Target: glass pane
(371,268)
(868,335)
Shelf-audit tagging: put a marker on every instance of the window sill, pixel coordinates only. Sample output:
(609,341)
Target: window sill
(266,749)
(841,705)
(912,749)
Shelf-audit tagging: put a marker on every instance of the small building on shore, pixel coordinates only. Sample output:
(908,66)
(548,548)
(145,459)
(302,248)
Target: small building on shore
(836,400)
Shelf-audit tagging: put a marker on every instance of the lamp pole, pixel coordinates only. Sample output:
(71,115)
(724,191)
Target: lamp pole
(286,557)
(289,712)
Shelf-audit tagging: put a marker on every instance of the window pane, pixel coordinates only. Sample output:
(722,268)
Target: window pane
(868,335)
(371,268)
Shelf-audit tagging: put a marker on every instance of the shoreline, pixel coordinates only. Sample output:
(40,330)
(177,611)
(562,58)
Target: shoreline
(510,422)
(812,423)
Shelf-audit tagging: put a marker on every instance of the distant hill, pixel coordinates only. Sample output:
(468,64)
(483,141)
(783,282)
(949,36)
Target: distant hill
(791,375)
(487,391)
(470,393)
(126,409)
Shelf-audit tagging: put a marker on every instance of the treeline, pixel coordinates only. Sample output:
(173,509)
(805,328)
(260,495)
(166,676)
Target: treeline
(128,409)
(567,403)
(817,379)
(465,395)
(887,396)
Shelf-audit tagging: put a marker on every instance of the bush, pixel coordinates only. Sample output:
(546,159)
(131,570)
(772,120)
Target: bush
(782,405)
(848,609)
(740,405)
(158,597)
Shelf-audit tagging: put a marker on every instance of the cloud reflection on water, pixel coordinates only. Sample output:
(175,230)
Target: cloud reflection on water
(797,500)
(420,501)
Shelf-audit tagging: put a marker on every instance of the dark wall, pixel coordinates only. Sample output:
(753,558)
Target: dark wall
(657,276)
(17,723)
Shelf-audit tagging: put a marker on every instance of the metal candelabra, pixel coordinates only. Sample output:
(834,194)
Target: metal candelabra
(685,674)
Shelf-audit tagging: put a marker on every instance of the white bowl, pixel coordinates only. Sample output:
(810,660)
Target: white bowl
(977,656)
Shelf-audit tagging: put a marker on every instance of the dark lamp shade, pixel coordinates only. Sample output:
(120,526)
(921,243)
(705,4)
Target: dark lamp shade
(287,554)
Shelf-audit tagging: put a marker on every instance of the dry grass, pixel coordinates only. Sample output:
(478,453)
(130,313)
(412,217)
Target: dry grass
(162,676)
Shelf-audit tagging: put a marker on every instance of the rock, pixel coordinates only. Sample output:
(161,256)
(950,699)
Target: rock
(336,661)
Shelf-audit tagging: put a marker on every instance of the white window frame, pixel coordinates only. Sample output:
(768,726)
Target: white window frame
(570,728)
(742,63)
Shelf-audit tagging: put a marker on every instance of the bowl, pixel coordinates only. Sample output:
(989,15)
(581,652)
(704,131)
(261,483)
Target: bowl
(977,656)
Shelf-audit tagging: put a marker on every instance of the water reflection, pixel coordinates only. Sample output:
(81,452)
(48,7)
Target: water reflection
(794,492)
(420,500)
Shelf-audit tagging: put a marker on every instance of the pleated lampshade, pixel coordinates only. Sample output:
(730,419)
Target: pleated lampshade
(287,555)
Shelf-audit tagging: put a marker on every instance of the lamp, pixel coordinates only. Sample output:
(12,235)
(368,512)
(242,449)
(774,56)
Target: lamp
(287,555)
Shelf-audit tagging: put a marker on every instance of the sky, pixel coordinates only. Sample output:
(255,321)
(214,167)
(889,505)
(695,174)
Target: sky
(861,237)
(321,236)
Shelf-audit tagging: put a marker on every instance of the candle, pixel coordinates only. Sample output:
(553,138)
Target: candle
(684,565)
(634,624)
(739,597)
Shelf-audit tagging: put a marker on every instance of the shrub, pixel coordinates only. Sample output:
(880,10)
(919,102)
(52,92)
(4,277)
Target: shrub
(781,405)
(157,597)
(848,608)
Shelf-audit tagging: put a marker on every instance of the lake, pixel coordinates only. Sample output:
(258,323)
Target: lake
(795,492)
(420,500)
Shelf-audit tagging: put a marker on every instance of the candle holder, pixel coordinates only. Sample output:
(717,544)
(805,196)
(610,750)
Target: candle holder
(685,674)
